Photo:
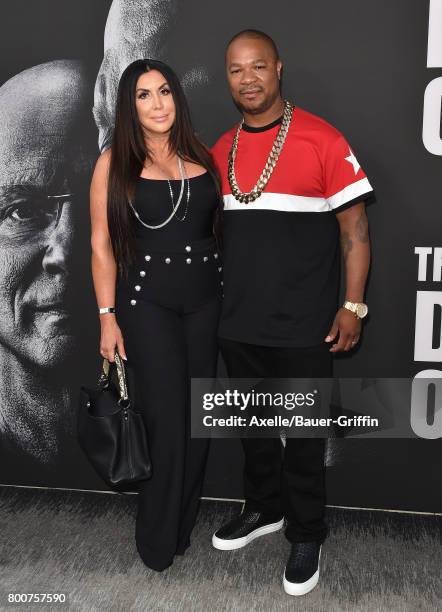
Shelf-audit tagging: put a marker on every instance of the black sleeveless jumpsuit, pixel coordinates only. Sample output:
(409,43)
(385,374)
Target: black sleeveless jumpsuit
(168,310)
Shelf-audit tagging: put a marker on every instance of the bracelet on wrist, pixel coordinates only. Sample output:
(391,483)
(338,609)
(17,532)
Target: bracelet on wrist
(106,310)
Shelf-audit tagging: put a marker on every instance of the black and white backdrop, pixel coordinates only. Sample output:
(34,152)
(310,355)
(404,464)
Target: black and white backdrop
(373,69)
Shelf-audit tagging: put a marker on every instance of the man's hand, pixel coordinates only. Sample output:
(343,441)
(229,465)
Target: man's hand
(348,325)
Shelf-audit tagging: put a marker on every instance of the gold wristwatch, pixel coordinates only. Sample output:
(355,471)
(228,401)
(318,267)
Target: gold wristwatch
(357,308)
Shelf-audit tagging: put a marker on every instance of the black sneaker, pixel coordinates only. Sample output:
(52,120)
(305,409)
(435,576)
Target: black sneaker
(243,529)
(302,570)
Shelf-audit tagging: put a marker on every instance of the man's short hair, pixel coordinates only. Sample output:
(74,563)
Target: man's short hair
(256,34)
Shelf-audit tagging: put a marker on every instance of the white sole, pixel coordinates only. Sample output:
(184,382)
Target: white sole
(221,544)
(302,588)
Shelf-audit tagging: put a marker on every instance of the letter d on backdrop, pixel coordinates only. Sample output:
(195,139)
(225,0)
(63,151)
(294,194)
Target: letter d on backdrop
(425,322)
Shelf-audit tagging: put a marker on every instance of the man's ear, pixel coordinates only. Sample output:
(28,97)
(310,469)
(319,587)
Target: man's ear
(279,68)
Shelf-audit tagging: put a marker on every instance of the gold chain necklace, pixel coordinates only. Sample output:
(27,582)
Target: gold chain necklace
(257,190)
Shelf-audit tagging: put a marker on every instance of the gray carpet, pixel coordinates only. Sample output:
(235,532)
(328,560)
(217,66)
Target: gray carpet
(82,544)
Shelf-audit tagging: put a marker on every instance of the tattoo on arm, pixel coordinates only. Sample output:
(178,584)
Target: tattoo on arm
(362,227)
(346,244)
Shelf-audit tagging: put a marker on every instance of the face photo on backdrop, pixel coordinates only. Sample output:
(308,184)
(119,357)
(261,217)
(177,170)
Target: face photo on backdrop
(136,30)
(44,176)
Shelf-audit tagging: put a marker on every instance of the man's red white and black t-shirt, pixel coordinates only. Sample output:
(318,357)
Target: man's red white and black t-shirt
(281,252)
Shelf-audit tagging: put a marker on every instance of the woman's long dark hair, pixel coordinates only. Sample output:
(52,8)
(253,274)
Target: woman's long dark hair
(129,152)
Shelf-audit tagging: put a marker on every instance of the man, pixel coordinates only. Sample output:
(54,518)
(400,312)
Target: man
(46,156)
(282,229)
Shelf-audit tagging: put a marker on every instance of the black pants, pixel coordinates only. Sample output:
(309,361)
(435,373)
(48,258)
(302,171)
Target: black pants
(170,336)
(286,482)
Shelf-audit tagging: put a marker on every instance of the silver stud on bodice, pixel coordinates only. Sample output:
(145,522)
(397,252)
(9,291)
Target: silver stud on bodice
(188,248)
(205,259)
(147,257)
(133,302)
(188,260)
(137,287)
(142,273)
(215,255)
(167,260)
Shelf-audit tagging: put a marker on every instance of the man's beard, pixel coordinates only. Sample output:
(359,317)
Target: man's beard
(259,109)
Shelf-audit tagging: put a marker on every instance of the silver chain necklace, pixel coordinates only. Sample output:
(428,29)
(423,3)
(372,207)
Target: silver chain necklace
(187,197)
(174,207)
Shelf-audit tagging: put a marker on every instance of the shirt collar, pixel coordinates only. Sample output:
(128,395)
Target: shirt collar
(262,128)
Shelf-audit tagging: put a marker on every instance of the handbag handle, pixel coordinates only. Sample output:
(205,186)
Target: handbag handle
(105,376)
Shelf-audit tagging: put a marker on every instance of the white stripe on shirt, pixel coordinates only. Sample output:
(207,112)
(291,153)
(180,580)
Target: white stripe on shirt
(285,202)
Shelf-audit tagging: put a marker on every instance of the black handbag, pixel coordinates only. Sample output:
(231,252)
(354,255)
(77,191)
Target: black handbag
(110,432)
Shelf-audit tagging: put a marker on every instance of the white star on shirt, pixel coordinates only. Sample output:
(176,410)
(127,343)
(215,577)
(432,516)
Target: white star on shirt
(353,161)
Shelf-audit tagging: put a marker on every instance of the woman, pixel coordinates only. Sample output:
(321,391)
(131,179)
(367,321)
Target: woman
(154,201)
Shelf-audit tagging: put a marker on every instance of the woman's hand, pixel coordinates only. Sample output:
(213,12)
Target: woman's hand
(111,338)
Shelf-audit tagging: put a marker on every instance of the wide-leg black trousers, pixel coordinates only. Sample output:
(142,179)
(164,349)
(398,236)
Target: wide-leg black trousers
(281,482)
(168,312)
